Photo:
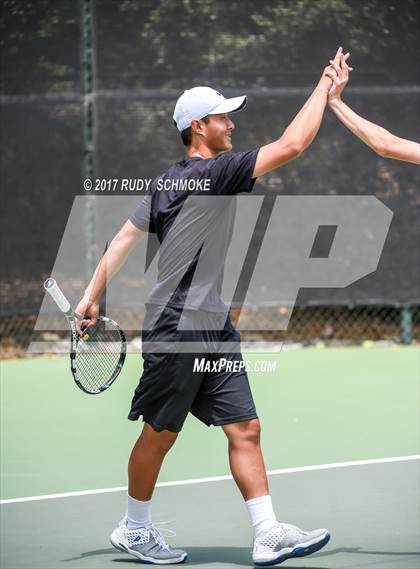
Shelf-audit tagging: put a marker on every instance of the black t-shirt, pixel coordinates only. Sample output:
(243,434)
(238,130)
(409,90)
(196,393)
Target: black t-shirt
(194,233)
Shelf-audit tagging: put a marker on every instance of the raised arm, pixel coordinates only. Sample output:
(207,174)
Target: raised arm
(301,131)
(110,263)
(379,139)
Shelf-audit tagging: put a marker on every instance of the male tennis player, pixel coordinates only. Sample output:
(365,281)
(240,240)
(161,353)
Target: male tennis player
(379,139)
(185,305)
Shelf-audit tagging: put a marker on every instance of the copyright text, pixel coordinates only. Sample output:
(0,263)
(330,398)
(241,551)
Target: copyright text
(117,184)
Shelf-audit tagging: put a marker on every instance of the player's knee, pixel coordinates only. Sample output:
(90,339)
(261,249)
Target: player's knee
(245,432)
(165,441)
(253,431)
(161,441)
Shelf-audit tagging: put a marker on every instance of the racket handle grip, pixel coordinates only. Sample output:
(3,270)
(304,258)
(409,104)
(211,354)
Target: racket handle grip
(54,290)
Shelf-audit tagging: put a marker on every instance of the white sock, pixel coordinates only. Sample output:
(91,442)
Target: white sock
(138,513)
(262,514)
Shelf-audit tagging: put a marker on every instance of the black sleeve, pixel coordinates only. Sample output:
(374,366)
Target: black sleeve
(141,216)
(231,173)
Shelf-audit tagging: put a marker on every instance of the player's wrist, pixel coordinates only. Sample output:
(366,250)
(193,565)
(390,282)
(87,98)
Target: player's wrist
(322,89)
(334,100)
(88,299)
(324,85)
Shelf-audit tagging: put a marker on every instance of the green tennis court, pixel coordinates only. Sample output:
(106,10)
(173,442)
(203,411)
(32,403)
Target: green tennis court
(341,411)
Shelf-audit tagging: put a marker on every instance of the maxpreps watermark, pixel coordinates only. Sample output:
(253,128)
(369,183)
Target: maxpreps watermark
(203,365)
(287,259)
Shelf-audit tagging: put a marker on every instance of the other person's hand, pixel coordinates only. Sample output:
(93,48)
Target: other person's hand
(329,72)
(339,76)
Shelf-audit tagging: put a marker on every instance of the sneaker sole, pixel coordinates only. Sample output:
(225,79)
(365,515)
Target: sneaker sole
(299,551)
(147,560)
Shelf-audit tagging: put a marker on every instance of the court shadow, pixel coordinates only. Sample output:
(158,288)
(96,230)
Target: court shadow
(363,551)
(93,553)
(204,555)
(240,556)
(354,563)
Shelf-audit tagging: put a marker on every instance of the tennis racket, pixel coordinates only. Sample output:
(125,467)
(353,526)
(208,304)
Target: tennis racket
(98,354)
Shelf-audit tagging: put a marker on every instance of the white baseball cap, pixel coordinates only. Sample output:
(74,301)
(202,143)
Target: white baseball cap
(199,102)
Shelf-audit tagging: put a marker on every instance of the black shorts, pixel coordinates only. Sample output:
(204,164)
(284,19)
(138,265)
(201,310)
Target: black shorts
(212,385)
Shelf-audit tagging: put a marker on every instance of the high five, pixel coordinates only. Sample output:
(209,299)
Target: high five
(379,139)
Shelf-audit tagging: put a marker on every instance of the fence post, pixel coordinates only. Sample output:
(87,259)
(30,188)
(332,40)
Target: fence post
(88,133)
(406,325)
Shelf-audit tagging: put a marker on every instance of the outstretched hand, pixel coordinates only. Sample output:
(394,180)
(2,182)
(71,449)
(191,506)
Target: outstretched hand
(339,74)
(329,72)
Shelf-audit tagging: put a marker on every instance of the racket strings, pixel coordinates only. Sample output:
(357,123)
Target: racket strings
(97,357)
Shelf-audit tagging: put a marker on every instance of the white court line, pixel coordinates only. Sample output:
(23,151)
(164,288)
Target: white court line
(216,478)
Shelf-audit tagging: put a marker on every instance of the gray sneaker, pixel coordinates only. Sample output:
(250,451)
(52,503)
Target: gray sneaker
(147,544)
(284,541)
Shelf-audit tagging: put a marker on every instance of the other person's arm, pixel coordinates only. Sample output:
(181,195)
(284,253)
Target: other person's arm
(379,139)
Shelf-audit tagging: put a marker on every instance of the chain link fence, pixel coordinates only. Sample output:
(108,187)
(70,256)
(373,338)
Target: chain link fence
(310,326)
